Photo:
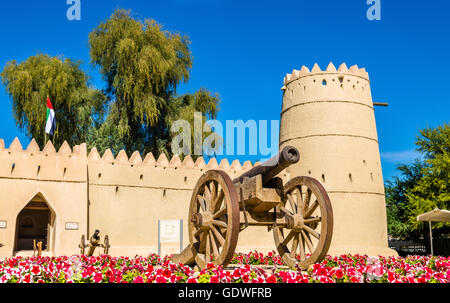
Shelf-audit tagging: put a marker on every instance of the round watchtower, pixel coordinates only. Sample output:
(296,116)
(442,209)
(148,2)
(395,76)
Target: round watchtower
(329,116)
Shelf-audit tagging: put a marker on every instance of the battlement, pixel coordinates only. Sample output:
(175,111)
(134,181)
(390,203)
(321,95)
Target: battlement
(48,150)
(331,69)
(47,164)
(162,161)
(71,165)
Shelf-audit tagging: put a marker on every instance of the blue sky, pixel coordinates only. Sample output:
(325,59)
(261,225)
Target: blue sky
(243,49)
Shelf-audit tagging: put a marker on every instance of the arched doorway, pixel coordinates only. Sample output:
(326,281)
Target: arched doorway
(34,224)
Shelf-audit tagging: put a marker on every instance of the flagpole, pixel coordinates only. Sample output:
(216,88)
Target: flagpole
(45,131)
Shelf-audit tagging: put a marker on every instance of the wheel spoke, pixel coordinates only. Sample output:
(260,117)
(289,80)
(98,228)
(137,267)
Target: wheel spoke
(213,244)
(219,237)
(286,211)
(218,201)
(312,231)
(292,203)
(308,241)
(208,248)
(213,194)
(312,220)
(301,243)
(207,197)
(307,198)
(294,246)
(202,241)
(311,209)
(220,223)
(201,201)
(198,232)
(289,237)
(300,198)
(221,212)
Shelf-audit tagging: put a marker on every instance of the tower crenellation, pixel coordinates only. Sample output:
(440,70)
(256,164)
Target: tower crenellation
(343,84)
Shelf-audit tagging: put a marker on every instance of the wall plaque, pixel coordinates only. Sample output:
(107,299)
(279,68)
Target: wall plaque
(71,225)
(170,231)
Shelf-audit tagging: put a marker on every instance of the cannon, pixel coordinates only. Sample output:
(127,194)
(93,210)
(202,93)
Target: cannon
(299,214)
(94,242)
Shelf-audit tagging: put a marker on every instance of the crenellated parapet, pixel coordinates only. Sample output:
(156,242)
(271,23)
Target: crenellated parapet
(153,172)
(74,165)
(47,164)
(343,86)
(162,161)
(331,69)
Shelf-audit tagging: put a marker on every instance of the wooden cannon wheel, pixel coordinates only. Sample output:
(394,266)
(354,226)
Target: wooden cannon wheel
(106,245)
(309,226)
(82,245)
(214,219)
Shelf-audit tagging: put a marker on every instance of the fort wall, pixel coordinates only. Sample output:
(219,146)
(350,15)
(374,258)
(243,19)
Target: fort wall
(122,197)
(56,180)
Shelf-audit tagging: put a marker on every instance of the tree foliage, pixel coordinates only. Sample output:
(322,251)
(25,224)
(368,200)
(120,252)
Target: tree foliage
(423,186)
(142,65)
(433,189)
(65,83)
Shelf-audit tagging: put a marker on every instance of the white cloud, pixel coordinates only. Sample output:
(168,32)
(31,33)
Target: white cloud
(401,156)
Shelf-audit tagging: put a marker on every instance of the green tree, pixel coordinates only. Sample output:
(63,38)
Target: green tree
(77,105)
(142,65)
(423,186)
(396,198)
(433,189)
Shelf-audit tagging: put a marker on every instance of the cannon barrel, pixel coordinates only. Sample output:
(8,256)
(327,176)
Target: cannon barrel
(272,167)
(93,242)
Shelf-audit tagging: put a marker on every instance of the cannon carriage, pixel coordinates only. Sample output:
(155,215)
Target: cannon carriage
(94,242)
(299,214)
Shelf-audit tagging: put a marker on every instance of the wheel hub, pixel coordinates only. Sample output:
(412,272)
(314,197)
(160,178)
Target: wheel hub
(295,222)
(202,220)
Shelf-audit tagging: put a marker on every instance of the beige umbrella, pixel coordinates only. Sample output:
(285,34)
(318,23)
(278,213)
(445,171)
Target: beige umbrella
(436,215)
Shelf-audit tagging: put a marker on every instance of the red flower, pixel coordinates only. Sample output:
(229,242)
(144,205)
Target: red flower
(27,279)
(36,270)
(150,268)
(214,279)
(160,279)
(98,277)
(271,279)
(339,273)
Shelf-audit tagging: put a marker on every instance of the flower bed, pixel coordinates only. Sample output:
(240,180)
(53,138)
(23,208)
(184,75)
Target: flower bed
(246,268)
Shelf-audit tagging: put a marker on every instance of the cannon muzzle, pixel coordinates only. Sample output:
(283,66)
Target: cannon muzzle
(272,167)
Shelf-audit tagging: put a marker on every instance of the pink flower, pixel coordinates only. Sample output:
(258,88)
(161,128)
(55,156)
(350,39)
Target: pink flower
(138,279)
(161,279)
(98,277)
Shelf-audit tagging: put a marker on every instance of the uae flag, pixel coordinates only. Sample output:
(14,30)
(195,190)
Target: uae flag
(51,121)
